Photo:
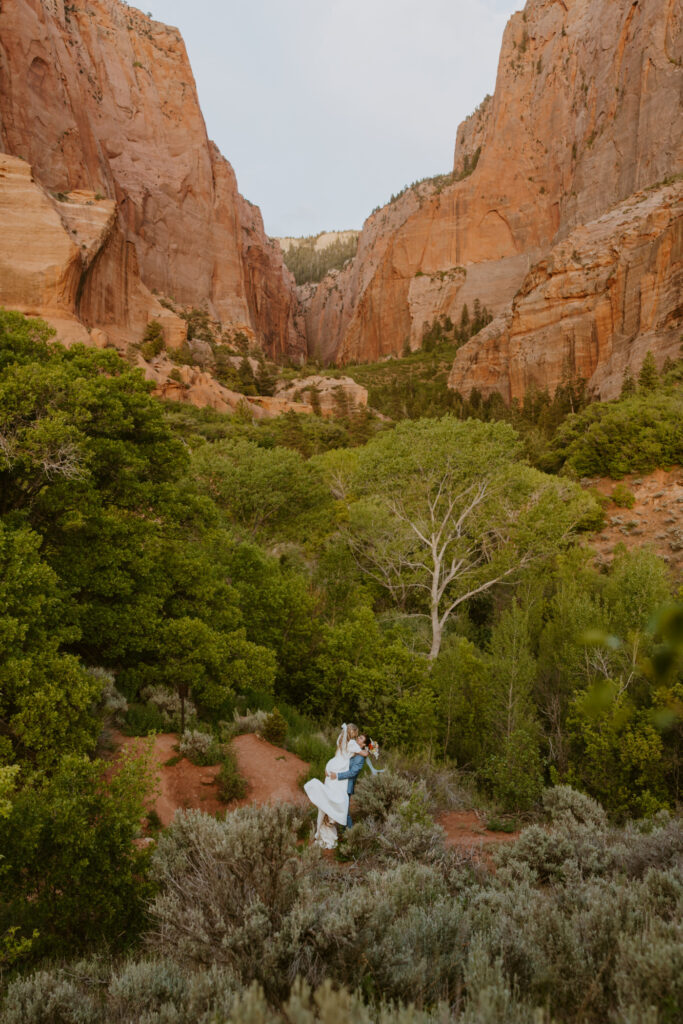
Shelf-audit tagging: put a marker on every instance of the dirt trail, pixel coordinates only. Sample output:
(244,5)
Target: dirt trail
(466,830)
(272,775)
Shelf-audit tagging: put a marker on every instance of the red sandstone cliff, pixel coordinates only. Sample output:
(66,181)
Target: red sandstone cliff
(96,96)
(586,112)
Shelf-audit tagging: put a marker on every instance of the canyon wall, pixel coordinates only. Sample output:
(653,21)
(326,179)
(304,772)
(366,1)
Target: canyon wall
(586,113)
(97,97)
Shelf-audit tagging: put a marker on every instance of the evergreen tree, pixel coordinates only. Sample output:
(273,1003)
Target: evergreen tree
(628,384)
(464,317)
(648,378)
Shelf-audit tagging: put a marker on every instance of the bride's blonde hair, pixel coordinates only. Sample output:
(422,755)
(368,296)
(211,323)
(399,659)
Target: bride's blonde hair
(348,732)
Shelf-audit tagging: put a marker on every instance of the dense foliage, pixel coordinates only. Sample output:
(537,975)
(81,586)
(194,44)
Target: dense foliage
(580,923)
(170,568)
(309,263)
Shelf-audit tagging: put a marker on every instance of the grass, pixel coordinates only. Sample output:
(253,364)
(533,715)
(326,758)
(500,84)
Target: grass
(507,825)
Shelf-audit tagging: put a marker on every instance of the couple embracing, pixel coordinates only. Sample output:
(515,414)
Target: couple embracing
(332,797)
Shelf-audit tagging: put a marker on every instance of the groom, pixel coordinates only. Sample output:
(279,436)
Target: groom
(355,765)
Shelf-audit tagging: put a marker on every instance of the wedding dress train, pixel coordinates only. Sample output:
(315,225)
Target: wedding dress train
(332,796)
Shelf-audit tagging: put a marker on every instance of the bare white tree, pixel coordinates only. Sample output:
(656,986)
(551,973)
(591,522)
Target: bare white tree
(449,514)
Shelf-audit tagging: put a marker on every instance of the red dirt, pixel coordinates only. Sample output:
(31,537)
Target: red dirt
(655,519)
(271,775)
(466,830)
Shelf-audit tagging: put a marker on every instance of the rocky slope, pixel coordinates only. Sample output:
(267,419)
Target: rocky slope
(97,97)
(600,299)
(586,113)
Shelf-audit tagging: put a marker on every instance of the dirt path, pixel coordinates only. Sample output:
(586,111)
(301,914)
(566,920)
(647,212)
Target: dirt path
(467,831)
(271,774)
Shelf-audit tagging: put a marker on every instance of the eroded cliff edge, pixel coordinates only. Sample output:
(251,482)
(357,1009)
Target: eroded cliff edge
(100,101)
(586,114)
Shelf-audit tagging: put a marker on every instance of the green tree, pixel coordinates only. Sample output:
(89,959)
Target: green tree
(70,869)
(197,661)
(371,676)
(449,511)
(628,384)
(47,699)
(279,612)
(648,378)
(514,771)
(263,491)
(461,676)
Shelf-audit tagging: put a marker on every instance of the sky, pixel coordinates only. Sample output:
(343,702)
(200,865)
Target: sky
(325,108)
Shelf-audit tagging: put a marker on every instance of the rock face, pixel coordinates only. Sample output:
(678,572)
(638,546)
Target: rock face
(332,396)
(586,113)
(593,307)
(99,97)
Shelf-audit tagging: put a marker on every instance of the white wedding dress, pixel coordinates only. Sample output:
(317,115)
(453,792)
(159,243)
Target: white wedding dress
(331,797)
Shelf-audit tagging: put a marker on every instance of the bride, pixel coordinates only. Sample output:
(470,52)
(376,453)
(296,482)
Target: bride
(332,797)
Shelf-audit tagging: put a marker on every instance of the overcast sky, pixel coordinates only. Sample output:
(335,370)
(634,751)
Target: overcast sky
(326,107)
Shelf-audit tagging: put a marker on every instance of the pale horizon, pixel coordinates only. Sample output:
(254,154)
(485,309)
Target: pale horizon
(325,110)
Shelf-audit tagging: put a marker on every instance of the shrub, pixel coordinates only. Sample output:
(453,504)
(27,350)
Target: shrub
(46,997)
(152,340)
(402,837)
(566,806)
(142,720)
(275,728)
(114,704)
(250,721)
(161,992)
(231,785)
(226,887)
(167,703)
(622,497)
(378,795)
(648,974)
(199,747)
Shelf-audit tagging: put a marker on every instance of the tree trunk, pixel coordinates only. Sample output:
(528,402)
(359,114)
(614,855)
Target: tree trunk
(437,630)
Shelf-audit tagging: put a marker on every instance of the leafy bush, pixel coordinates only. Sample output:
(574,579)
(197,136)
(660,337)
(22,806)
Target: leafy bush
(635,434)
(199,747)
(231,785)
(251,721)
(622,496)
(167,703)
(69,865)
(226,887)
(152,341)
(142,720)
(566,806)
(377,796)
(275,728)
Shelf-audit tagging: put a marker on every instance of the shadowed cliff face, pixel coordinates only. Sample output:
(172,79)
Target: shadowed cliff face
(586,112)
(99,97)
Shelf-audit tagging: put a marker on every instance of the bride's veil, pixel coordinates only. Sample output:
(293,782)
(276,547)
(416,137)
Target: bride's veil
(343,741)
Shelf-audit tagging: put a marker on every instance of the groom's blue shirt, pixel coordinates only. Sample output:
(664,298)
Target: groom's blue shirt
(355,765)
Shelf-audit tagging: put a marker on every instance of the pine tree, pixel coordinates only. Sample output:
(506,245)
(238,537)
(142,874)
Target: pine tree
(648,378)
(628,384)
(464,317)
